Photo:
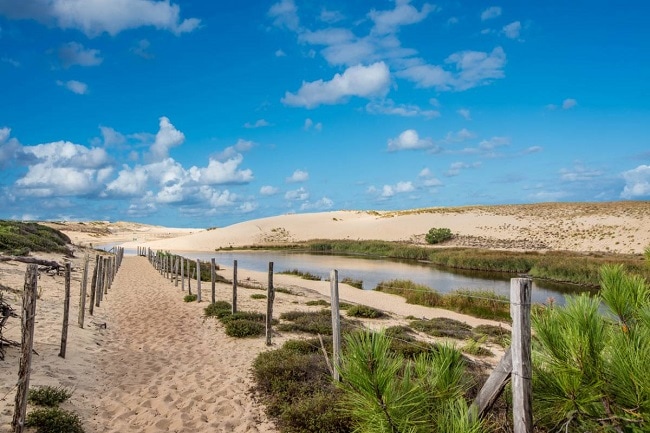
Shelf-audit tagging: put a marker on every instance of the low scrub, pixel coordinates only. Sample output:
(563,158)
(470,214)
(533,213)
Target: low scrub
(190,298)
(258,296)
(217,309)
(353,282)
(319,322)
(20,238)
(301,274)
(54,420)
(245,328)
(438,235)
(443,327)
(365,312)
(48,396)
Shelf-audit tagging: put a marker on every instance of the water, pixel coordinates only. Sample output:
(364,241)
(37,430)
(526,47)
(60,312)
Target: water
(373,271)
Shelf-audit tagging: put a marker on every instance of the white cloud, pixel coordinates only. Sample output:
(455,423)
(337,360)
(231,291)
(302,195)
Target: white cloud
(459,136)
(398,188)
(465,114)
(9,147)
(456,167)
(309,124)
(247,207)
(74,86)
(219,173)
(269,190)
(234,151)
(362,81)
(351,53)
(637,183)
(322,204)
(280,53)
(409,140)
(331,17)
(533,149)
(260,123)
(285,14)
(111,138)
(166,138)
(130,182)
(298,176)
(403,14)
(94,17)
(140,49)
(389,107)
(330,36)
(512,30)
(490,13)
(299,194)
(493,143)
(569,103)
(74,53)
(428,179)
(12,62)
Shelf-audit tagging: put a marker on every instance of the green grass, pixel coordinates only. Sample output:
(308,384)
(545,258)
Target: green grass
(301,274)
(48,396)
(353,282)
(189,298)
(320,302)
(258,296)
(21,238)
(54,420)
(365,312)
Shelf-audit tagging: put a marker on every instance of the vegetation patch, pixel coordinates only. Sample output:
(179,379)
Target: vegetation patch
(245,328)
(20,238)
(54,420)
(494,334)
(365,312)
(438,235)
(301,274)
(315,322)
(353,282)
(190,298)
(443,327)
(284,290)
(320,302)
(217,309)
(404,343)
(258,296)
(48,396)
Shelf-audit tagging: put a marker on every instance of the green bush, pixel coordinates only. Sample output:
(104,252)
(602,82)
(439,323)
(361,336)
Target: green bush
(19,238)
(438,235)
(258,296)
(320,302)
(443,327)
(217,309)
(48,396)
(353,282)
(245,328)
(190,298)
(54,420)
(365,312)
(319,322)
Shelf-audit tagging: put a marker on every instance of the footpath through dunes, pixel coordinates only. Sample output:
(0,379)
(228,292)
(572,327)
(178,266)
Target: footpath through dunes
(165,368)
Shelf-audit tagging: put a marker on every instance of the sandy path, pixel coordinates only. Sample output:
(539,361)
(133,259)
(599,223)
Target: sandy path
(165,368)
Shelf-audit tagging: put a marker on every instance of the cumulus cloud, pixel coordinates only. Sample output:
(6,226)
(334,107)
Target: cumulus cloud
(493,143)
(456,167)
(331,17)
(512,30)
(94,17)
(569,103)
(285,14)
(389,107)
(220,173)
(299,194)
(330,36)
(361,81)
(74,86)
(322,204)
(74,53)
(235,150)
(112,138)
(399,188)
(409,140)
(141,49)
(269,190)
(403,14)
(309,124)
(260,123)
(464,113)
(298,176)
(637,183)
(166,138)
(579,173)
(459,136)
(9,147)
(490,13)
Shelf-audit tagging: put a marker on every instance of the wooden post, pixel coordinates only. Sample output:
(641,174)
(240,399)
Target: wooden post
(107,275)
(198,280)
(270,296)
(213,278)
(522,397)
(30,294)
(189,278)
(182,274)
(83,291)
(66,311)
(93,286)
(492,388)
(234,286)
(336,322)
(100,282)
(176,271)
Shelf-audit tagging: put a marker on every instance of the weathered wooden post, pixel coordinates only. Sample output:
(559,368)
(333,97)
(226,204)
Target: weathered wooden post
(336,322)
(213,278)
(198,280)
(189,277)
(66,311)
(234,286)
(176,271)
(182,274)
(100,282)
(270,296)
(83,291)
(93,286)
(30,293)
(522,396)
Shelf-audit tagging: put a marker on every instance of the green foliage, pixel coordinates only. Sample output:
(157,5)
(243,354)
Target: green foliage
(21,238)
(48,396)
(438,235)
(385,393)
(189,298)
(245,328)
(301,274)
(353,282)
(646,254)
(217,309)
(54,420)
(319,322)
(258,296)
(297,389)
(321,302)
(365,312)
(403,342)
(591,369)
(443,327)
(284,290)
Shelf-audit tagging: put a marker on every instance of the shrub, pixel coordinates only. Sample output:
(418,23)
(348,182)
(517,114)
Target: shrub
(365,311)
(48,396)
(319,322)
(320,302)
(258,296)
(217,309)
(353,282)
(189,298)
(302,274)
(443,327)
(438,235)
(244,328)
(54,420)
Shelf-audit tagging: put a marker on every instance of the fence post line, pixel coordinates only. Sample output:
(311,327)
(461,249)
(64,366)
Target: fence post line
(336,323)
(270,296)
(522,397)
(30,293)
(100,282)
(213,279)
(234,286)
(189,278)
(93,286)
(176,264)
(198,280)
(83,291)
(182,274)
(66,311)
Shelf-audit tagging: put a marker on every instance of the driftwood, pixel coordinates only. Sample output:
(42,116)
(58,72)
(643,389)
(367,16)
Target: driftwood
(32,260)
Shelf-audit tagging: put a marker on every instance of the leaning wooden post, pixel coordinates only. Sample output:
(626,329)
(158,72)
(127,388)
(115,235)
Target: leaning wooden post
(66,312)
(234,286)
(93,286)
(336,322)
(30,294)
(213,278)
(270,296)
(198,280)
(82,292)
(522,396)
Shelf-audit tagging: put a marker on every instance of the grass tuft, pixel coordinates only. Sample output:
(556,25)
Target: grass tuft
(48,396)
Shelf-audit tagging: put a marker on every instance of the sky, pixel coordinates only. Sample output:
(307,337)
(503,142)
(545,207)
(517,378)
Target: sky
(208,113)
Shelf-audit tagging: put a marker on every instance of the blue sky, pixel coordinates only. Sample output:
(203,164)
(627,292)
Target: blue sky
(199,114)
